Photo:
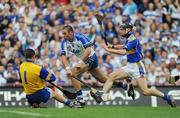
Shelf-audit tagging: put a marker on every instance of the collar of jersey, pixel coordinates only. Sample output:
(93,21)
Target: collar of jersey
(28,60)
(128,34)
(74,39)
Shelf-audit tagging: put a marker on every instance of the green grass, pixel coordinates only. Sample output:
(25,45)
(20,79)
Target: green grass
(92,112)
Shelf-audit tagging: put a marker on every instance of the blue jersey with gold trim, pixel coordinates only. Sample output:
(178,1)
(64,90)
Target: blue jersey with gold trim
(32,77)
(134,49)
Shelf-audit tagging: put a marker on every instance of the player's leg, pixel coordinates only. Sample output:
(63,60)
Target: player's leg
(142,84)
(96,71)
(44,95)
(76,84)
(139,75)
(99,74)
(62,99)
(102,77)
(38,97)
(116,75)
(76,71)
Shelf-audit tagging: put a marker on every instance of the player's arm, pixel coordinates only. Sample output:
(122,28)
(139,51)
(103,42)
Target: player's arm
(130,45)
(116,51)
(86,53)
(87,45)
(46,75)
(116,46)
(63,56)
(64,61)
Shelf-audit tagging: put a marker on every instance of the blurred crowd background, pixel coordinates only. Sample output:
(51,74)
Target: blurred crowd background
(37,24)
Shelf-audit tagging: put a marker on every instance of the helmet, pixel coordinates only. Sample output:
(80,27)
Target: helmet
(126,25)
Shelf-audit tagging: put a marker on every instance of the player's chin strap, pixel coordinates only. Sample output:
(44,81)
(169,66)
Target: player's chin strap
(127,34)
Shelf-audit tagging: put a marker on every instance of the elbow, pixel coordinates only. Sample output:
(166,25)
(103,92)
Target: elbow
(123,52)
(88,50)
(52,78)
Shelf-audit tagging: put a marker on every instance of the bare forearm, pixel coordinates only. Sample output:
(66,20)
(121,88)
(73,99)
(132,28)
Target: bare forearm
(86,54)
(64,61)
(115,51)
(118,46)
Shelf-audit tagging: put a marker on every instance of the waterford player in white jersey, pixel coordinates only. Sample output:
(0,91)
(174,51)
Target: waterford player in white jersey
(79,44)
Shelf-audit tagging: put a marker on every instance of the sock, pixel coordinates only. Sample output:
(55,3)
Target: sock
(79,96)
(166,96)
(68,102)
(79,93)
(123,85)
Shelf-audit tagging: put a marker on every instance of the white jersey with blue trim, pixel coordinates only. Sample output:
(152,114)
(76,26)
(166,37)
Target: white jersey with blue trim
(77,46)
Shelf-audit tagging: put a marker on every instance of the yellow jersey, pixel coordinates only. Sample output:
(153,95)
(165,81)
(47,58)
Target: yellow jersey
(32,76)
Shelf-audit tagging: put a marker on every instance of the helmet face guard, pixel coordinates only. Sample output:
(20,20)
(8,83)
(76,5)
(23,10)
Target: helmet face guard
(126,25)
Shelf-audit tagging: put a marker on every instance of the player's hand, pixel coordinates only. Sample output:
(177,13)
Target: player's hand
(78,66)
(69,72)
(110,46)
(106,48)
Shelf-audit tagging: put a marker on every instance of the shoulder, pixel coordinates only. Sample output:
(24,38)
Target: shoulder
(131,37)
(33,66)
(79,35)
(63,42)
(30,66)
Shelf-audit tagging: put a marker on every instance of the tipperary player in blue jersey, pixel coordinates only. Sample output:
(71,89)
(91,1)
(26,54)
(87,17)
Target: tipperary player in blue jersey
(134,69)
(79,44)
(34,77)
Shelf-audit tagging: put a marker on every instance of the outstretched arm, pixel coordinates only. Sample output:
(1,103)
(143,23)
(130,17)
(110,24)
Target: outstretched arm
(116,46)
(116,51)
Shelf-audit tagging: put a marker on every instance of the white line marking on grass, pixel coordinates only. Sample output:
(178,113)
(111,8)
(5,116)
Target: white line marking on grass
(24,113)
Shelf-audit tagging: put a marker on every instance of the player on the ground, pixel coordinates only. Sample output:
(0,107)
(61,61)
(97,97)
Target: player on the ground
(79,44)
(33,79)
(134,69)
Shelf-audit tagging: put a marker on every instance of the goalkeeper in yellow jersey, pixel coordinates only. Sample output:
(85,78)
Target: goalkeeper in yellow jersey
(33,79)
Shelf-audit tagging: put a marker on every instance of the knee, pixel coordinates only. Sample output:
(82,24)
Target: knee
(102,80)
(145,92)
(111,79)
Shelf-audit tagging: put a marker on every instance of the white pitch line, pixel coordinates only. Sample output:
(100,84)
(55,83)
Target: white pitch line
(24,113)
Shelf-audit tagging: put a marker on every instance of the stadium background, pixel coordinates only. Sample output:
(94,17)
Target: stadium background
(38,24)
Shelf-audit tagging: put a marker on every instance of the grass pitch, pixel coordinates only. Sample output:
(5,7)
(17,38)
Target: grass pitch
(92,112)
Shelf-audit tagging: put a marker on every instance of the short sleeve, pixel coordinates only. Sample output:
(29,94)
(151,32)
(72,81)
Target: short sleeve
(84,40)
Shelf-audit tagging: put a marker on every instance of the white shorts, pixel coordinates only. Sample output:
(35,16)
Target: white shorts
(135,70)
(50,91)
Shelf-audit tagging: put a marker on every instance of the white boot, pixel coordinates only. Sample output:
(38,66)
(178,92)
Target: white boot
(106,97)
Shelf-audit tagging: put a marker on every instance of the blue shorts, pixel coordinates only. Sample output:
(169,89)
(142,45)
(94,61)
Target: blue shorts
(92,62)
(42,95)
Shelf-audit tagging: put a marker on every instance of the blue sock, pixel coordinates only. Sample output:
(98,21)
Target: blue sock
(68,102)
(166,96)
(79,93)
